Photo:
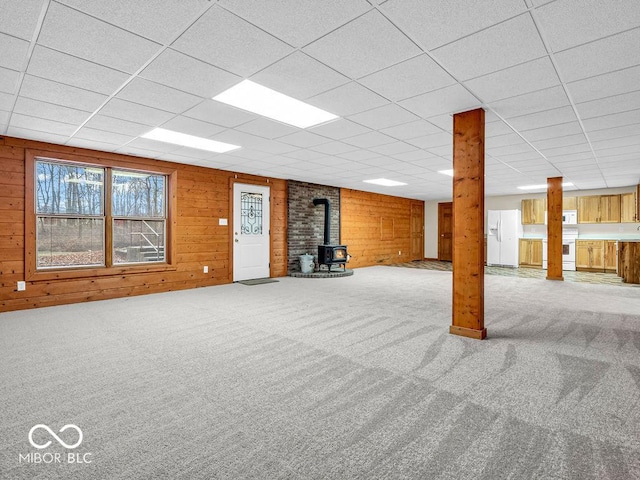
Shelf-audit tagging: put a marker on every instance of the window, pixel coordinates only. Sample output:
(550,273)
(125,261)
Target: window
(95,216)
(138,210)
(69,215)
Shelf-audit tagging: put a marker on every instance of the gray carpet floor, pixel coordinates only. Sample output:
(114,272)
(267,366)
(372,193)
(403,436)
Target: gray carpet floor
(341,378)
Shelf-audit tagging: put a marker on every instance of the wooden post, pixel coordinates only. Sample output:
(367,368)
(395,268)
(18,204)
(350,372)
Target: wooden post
(468,225)
(554,228)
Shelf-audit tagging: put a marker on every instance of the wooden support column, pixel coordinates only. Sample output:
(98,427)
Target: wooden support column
(468,225)
(554,228)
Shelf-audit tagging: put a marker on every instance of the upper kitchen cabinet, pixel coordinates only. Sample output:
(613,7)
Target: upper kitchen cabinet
(533,210)
(599,209)
(628,208)
(569,203)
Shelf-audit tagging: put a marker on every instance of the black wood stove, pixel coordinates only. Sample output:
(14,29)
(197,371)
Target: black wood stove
(329,254)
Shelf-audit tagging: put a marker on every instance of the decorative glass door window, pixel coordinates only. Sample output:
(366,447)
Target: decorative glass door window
(251,213)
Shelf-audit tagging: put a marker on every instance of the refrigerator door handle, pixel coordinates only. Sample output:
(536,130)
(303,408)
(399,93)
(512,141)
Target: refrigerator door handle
(500,230)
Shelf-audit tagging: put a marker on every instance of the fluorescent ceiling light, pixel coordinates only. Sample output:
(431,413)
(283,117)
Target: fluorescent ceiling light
(543,186)
(446,172)
(177,138)
(384,182)
(248,95)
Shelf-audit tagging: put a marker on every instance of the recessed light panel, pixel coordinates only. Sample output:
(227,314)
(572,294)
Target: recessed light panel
(542,186)
(446,172)
(250,96)
(177,138)
(384,182)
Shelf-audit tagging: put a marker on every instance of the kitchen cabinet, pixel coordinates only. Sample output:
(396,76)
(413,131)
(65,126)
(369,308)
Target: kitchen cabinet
(569,203)
(590,255)
(530,253)
(599,209)
(629,261)
(628,208)
(533,210)
(610,255)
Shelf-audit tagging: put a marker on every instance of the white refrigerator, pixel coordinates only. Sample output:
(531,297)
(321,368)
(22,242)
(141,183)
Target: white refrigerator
(504,230)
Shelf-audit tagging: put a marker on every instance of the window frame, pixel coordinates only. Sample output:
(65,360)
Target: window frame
(32,273)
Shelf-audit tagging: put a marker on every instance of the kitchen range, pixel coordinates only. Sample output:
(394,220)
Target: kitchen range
(569,236)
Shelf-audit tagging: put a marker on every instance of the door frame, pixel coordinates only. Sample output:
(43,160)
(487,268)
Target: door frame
(247,181)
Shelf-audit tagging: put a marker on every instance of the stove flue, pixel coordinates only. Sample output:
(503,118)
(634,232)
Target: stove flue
(329,254)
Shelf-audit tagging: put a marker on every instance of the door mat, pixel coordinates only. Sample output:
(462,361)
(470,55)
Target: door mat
(258,281)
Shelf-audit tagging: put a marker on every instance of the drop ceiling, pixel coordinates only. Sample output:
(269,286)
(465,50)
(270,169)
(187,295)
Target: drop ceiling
(559,80)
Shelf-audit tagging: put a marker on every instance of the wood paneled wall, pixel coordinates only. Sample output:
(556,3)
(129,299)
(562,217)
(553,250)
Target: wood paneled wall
(375,227)
(203,197)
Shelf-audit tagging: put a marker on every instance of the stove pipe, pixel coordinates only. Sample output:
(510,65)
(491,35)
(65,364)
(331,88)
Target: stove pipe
(327,217)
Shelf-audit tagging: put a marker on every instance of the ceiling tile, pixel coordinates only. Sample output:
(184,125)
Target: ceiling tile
(528,77)
(203,79)
(102,136)
(62,68)
(160,20)
(568,150)
(304,154)
(135,112)
(358,155)
(116,125)
(36,108)
(91,144)
(94,40)
(303,139)
(191,126)
(363,46)
(409,78)
(158,96)
(41,125)
(299,76)
(19,19)
(347,100)
(14,52)
(226,41)
(8,80)
(609,105)
(383,117)
(612,133)
(547,144)
(42,136)
(48,91)
(570,128)
(6,101)
(391,149)
(606,85)
(334,148)
(495,129)
(567,23)
(451,99)
(503,140)
(547,118)
(434,140)
(263,127)
(406,131)
(219,114)
(339,129)
(510,43)
(533,102)
(297,22)
(610,121)
(371,139)
(613,53)
(444,22)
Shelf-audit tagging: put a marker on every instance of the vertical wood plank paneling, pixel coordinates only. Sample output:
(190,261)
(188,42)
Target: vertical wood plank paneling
(554,228)
(376,228)
(201,199)
(468,225)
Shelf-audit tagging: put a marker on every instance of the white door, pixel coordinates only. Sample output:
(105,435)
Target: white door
(251,236)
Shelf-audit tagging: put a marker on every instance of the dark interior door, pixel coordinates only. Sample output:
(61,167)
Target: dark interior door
(445,231)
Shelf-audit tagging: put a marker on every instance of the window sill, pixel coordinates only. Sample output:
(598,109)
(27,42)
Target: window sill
(78,273)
